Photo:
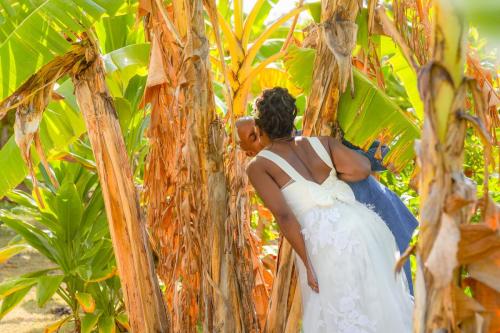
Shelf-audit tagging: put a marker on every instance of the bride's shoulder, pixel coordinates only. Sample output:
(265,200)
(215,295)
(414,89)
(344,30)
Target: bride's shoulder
(326,140)
(256,168)
(257,163)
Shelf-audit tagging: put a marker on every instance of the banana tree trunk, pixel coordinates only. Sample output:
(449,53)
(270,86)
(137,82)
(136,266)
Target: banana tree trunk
(285,303)
(143,298)
(197,228)
(446,195)
(332,65)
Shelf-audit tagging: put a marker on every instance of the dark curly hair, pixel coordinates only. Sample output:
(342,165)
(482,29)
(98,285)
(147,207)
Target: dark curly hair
(275,112)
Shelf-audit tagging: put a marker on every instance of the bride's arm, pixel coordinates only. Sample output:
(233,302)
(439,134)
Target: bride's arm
(350,165)
(273,199)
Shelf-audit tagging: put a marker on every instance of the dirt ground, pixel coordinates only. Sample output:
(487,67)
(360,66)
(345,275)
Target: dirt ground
(27,317)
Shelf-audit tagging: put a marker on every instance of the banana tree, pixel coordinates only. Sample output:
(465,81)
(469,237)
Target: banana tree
(33,33)
(448,244)
(53,44)
(135,263)
(207,271)
(249,45)
(252,47)
(62,123)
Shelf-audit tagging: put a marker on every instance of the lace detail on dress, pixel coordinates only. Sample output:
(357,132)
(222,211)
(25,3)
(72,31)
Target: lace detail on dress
(320,231)
(347,317)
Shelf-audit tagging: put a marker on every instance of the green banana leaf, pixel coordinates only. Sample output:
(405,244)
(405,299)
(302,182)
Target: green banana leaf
(314,9)
(366,116)
(404,72)
(35,32)
(62,123)
(299,63)
(372,113)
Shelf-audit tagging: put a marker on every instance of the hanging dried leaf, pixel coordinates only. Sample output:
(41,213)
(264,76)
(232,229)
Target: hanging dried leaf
(490,301)
(487,270)
(144,8)
(477,241)
(466,307)
(340,36)
(156,72)
(442,259)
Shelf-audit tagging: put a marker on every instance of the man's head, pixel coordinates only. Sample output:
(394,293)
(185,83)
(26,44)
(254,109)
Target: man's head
(249,139)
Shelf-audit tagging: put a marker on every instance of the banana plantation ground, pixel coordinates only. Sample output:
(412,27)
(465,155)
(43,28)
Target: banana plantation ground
(124,203)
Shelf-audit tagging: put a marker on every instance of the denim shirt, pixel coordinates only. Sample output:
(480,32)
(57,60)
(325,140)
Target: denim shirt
(386,204)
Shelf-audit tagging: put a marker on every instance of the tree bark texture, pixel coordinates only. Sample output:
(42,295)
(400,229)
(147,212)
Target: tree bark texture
(143,298)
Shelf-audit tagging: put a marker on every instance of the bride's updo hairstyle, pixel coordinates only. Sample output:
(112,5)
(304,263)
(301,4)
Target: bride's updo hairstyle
(275,112)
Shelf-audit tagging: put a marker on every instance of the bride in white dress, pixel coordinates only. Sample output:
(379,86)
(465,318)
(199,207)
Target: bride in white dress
(347,253)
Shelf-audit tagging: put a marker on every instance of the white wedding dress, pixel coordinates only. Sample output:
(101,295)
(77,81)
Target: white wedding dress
(353,255)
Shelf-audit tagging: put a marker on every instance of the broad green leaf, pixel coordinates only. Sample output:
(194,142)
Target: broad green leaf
(55,327)
(122,319)
(258,26)
(272,77)
(62,123)
(69,209)
(135,90)
(362,22)
(86,301)
(120,30)
(406,74)
(301,102)
(115,32)
(60,126)
(269,48)
(46,288)
(94,209)
(123,64)
(11,286)
(33,236)
(372,113)
(124,111)
(37,35)
(107,325)
(14,170)
(12,300)
(89,321)
(299,63)
(9,251)
(21,198)
(130,55)
(315,10)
